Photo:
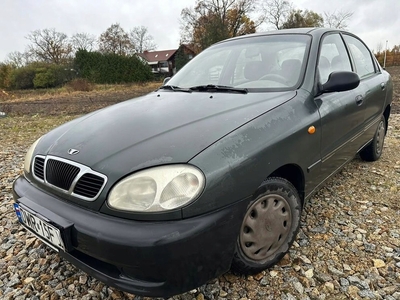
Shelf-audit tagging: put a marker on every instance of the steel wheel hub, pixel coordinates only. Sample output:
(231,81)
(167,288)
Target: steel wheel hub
(265,227)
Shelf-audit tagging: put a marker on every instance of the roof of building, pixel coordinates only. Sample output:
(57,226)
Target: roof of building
(155,56)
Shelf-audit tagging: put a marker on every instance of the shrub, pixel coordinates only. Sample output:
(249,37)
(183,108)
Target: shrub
(22,78)
(111,68)
(80,84)
(5,76)
(44,78)
(41,75)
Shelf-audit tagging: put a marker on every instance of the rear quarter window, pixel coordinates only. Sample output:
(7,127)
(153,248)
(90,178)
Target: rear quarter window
(361,56)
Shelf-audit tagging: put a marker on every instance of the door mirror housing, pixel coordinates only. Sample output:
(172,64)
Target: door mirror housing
(166,79)
(340,82)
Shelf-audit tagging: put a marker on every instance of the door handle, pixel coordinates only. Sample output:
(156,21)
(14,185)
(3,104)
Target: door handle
(359,100)
(383,85)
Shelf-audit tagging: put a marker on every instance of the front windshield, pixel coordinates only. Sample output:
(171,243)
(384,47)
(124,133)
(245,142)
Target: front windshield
(262,62)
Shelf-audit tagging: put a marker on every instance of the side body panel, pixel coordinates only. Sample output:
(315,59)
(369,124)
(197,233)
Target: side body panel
(236,165)
(342,123)
(375,97)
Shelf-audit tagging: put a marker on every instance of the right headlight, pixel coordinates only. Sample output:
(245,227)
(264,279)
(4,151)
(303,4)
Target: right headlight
(28,156)
(157,189)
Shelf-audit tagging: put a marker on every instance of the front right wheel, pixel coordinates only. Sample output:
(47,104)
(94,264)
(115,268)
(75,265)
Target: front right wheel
(269,227)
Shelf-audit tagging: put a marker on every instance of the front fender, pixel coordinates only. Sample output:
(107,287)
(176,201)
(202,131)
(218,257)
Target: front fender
(236,165)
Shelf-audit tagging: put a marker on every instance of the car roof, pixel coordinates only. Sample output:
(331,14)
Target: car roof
(305,30)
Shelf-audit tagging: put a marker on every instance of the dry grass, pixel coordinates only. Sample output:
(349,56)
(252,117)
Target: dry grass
(66,91)
(80,84)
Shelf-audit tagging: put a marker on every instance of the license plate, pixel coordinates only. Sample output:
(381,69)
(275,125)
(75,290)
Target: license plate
(40,226)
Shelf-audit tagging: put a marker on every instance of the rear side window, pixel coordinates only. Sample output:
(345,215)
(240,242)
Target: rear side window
(361,55)
(332,57)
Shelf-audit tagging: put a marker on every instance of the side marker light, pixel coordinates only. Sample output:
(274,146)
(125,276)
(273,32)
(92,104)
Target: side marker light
(311,130)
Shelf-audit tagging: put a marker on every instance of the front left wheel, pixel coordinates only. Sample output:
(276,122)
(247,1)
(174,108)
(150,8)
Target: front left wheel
(269,227)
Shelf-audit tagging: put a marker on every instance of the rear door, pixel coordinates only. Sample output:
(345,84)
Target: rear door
(342,113)
(372,80)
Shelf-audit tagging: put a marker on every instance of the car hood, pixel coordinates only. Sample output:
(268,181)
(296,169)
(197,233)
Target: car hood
(159,128)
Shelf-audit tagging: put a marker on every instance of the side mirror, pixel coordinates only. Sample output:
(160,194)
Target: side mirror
(340,82)
(166,79)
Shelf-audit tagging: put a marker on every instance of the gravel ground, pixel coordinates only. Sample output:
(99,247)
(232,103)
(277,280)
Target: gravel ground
(348,246)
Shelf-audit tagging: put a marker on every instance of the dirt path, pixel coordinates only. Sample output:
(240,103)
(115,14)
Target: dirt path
(74,103)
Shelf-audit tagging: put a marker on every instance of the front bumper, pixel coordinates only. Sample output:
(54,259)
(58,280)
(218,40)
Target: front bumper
(157,259)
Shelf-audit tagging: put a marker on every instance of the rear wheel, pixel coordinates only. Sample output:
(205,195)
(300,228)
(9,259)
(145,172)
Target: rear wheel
(269,227)
(373,150)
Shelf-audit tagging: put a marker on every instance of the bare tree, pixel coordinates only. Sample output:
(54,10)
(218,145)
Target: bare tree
(379,47)
(239,22)
(337,19)
(299,18)
(141,39)
(17,59)
(83,41)
(277,12)
(48,45)
(115,40)
(213,20)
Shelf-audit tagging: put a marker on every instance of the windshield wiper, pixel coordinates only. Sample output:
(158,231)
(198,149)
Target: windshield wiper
(174,88)
(218,88)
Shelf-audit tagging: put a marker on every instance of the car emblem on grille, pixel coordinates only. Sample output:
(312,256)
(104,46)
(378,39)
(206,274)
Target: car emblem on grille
(73,151)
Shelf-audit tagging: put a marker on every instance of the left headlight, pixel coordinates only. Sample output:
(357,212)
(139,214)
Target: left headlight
(157,189)
(28,156)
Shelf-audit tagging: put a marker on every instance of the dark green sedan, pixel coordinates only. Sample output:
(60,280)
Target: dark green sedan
(161,193)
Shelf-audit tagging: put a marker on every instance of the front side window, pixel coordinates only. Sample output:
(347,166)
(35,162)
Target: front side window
(361,55)
(332,57)
(263,62)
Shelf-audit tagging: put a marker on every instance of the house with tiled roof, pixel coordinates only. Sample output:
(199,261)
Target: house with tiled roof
(163,62)
(160,61)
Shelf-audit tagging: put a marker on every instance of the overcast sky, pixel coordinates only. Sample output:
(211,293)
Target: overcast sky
(375,21)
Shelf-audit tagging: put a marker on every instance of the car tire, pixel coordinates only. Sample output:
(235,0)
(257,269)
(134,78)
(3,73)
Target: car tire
(373,150)
(269,227)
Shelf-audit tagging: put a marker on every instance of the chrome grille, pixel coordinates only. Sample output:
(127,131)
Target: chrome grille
(88,185)
(68,176)
(60,174)
(38,167)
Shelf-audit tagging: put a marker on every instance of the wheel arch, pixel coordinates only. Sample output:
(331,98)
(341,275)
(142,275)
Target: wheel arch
(294,174)
(256,231)
(386,114)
